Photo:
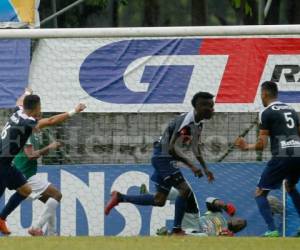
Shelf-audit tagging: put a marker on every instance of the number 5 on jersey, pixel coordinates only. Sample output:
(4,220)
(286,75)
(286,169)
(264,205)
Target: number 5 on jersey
(290,123)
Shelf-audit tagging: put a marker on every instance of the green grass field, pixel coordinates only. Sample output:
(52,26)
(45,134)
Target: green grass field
(147,243)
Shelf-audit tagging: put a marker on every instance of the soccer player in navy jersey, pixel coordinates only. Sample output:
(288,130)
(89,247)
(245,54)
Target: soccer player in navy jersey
(280,122)
(14,136)
(167,151)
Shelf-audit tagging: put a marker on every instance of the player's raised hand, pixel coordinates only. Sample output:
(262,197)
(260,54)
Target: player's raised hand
(28,91)
(209,175)
(197,172)
(80,107)
(241,143)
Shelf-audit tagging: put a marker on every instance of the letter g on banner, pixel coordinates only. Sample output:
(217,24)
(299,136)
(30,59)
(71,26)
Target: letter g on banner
(127,72)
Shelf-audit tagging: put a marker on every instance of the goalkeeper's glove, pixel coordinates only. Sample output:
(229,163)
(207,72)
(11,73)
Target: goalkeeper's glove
(230,209)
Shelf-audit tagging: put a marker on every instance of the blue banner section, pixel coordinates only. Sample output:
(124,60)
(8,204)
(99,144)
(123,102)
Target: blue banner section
(292,217)
(103,71)
(14,70)
(86,188)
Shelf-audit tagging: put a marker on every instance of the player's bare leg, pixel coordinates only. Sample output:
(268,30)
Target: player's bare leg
(158,199)
(51,197)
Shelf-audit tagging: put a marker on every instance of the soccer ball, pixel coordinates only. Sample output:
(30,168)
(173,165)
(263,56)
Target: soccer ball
(276,205)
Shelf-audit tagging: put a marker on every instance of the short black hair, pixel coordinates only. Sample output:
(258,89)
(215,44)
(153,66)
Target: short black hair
(271,88)
(31,101)
(202,95)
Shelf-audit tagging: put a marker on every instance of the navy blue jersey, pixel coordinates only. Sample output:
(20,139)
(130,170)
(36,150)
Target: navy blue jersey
(184,125)
(282,122)
(14,135)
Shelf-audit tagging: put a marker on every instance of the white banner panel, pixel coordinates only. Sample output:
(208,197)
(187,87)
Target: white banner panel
(162,74)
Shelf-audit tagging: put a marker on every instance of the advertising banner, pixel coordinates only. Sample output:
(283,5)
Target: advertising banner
(14,70)
(86,188)
(162,74)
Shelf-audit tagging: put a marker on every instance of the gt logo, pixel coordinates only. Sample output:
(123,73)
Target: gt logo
(140,71)
(159,71)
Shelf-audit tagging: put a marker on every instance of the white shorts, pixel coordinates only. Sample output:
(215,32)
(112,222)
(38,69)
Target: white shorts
(38,185)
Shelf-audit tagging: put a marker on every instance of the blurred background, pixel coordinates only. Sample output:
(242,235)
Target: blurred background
(133,13)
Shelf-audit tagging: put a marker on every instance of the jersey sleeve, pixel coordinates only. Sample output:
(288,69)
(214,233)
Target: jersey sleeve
(31,123)
(176,125)
(264,120)
(17,108)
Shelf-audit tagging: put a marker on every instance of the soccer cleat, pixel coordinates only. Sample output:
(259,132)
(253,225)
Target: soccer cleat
(114,201)
(230,209)
(3,227)
(162,231)
(178,232)
(143,189)
(274,233)
(35,232)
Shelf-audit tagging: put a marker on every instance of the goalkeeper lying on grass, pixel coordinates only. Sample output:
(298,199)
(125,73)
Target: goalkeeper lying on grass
(212,223)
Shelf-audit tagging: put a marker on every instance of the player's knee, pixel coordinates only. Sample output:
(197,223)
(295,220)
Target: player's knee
(25,190)
(58,196)
(184,190)
(160,203)
(185,193)
(160,200)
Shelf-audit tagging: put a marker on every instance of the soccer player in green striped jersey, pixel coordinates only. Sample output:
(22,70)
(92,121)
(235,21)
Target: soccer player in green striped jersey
(27,163)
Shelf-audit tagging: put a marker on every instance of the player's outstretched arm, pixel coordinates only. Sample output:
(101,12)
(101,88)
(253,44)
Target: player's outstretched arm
(35,154)
(198,154)
(229,208)
(56,119)
(260,144)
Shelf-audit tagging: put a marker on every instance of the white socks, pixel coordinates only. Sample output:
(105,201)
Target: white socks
(51,229)
(48,214)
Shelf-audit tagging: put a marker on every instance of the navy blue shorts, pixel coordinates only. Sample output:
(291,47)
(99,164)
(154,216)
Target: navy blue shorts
(279,169)
(11,178)
(166,174)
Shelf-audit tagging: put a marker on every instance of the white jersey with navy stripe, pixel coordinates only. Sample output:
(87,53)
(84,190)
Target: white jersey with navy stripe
(184,121)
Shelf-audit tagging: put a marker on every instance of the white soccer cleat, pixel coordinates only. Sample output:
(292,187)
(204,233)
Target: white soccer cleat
(35,232)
